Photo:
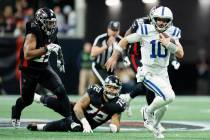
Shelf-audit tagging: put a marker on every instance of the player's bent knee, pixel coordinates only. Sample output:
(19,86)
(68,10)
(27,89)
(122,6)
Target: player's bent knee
(171,98)
(60,91)
(169,95)
(27,101)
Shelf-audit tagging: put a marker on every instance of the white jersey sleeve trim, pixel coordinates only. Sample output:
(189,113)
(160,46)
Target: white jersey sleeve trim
(98,37)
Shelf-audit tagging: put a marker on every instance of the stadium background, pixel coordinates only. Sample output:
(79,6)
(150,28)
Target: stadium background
(91,19)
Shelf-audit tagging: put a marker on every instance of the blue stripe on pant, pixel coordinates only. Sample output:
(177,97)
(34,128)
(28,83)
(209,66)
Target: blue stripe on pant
(154,88)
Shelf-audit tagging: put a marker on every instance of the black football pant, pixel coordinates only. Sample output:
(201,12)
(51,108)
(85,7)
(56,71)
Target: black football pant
(49,79)
(140,89)
(60,125)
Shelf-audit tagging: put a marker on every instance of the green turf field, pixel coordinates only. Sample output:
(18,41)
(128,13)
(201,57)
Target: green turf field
(188,118)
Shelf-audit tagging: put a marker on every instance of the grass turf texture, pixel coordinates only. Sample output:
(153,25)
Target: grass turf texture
(184,108)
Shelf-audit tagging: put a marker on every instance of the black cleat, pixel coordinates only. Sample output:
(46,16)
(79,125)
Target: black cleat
(32,127)
(75,127)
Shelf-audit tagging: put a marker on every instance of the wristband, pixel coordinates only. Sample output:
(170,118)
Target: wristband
(172,47)
(84,121)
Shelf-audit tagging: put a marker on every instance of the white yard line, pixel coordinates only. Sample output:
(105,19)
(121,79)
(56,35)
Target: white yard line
(205,126)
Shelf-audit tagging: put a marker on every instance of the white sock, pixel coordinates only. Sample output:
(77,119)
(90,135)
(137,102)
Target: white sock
(159,115)
(37,98)
(40,126)
(126,97)
(157,103)
(129,98)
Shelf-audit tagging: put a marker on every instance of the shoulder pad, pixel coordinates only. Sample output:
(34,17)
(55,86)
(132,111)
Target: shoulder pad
(145,29)
(94,88)
(146,20)
(136,23)
(174,32)
(32,27)
(117,105)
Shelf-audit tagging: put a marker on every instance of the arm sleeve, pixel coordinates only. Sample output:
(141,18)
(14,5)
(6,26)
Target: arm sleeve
(135,37)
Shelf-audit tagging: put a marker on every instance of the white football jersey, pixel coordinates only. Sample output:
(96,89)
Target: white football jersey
(153,53)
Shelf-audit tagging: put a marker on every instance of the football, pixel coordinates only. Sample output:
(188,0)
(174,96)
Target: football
(166,36)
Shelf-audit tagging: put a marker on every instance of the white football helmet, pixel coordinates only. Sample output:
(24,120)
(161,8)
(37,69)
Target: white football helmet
(163,13)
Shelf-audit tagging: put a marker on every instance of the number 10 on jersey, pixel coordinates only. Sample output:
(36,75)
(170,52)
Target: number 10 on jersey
(157,50)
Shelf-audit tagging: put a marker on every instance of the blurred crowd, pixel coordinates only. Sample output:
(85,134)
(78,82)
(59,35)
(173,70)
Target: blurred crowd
(14,17)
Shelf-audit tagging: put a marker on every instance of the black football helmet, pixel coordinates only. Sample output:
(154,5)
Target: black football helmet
(112,87)
(46,20)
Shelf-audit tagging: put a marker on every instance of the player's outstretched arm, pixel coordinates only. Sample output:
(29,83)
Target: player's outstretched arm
(118,50)
(79,108)
(129,31)
(30,50)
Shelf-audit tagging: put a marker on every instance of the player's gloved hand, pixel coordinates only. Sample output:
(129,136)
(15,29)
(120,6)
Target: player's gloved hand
(113,128)
(60,61)
(140,74)
(53,48)
(86,126)
(175,64)
(126,61)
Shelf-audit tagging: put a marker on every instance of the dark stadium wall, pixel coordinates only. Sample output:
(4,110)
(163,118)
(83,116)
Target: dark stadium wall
(71,49)
(188,16)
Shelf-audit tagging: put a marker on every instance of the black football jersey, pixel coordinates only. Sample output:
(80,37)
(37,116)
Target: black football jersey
(100,111)
(41,40)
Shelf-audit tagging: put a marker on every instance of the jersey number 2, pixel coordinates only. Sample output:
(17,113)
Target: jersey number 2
(99,115)
(157,52)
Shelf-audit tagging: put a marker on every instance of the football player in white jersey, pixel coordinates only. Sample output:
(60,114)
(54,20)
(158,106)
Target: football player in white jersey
(159,40)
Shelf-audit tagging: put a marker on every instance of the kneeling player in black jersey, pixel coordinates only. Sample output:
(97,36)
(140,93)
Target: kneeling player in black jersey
(40,42)
(97,106)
